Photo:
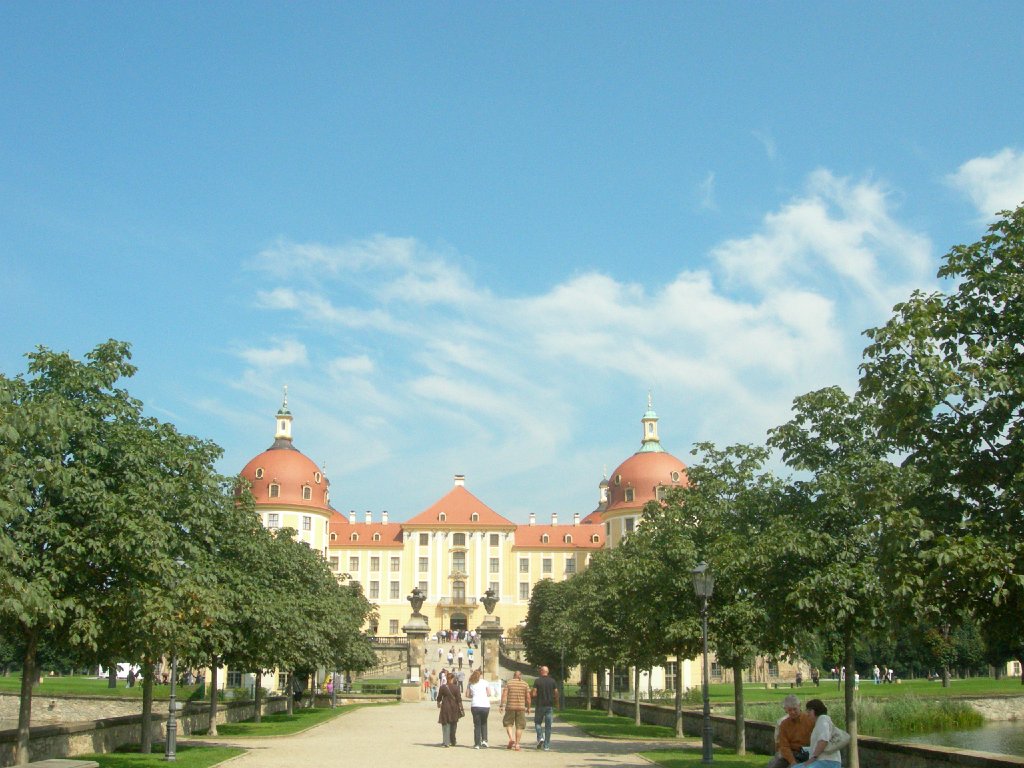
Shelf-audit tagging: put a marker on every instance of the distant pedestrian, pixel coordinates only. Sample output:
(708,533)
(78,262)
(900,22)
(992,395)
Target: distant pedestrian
(460,658)
(877,673)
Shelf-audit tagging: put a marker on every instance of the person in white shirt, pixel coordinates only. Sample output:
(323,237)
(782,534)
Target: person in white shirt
(480,705)
(818,748)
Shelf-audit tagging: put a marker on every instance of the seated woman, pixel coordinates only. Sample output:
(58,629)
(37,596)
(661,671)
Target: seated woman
(819,746)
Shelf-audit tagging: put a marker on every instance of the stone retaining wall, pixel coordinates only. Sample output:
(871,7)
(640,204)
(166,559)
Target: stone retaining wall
(760,737)
(106,735)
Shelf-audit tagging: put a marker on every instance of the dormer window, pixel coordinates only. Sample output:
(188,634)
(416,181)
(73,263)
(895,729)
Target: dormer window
(568,538)
(618,479)
(259,472)
(334,537)
(275,490)
(376,537)
(595,539)
(544,539)
(475,517)
(442,517)
(354,537)
(317,477)
(307,492)
(675,477)
(629,494)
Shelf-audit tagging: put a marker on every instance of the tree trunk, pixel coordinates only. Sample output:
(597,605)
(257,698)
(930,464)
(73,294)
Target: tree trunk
(636,695)
(945,676)
(214,663)
(257,695)
(146,743)
(28,676)
(851,709)
(679,696)
(611,688)
(741,725)
(112,675)
(290,693)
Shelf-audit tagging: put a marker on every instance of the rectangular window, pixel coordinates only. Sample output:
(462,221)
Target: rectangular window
(273,520)
(395,591)
(630,524)
(423,587)
(524,591)
(424,565)
(671,669)
(234,679)
(393,627)
(307,523)
(608,530)
(524,565)
(495,565)
(546,565)
(334,563)
(716,669)
(458,539)
(375,564)
(493,586)
(620,679)
(374,590)
(495,540)
(282,681)
(570,565)
(773,669)
(396,565)
(424,539)
(459,562)
(353,564)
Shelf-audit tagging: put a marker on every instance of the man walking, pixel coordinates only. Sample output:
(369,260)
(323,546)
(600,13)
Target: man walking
(515,704)
(545,696)
(793,734)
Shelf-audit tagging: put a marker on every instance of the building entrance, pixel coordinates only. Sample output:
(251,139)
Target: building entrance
(458,622)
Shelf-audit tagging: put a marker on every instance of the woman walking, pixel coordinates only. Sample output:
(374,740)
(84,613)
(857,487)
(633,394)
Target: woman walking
(449,701)
(480,706)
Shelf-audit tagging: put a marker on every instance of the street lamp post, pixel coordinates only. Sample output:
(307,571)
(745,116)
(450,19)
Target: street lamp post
(171,744)
(703,585)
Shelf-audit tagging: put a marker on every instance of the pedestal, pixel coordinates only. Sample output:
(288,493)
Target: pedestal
(416,631)
(489,632)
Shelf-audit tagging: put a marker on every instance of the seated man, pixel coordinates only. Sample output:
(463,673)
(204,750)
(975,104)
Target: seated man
(793,733)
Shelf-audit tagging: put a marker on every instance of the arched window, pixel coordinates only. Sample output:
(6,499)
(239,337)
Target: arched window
(376,537)
(307,492)
(595,539)
(544,539)
(354,537)
(629,494)
(474,517)
(259,472)
(334,537)
(442,517)
(568,538)
(275,490)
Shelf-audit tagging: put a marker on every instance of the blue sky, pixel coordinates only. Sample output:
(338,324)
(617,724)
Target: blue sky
(471,237)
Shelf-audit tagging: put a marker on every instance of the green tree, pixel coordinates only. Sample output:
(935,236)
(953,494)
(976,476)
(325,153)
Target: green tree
(848,531)
(947,371)
(67,452)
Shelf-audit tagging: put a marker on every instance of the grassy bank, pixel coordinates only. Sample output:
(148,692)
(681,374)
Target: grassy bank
(188,757)
(902,716)
(596,722)
(692,758)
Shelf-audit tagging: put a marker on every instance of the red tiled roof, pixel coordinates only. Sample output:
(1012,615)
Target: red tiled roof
(532,537)
(390,534)
(458,507)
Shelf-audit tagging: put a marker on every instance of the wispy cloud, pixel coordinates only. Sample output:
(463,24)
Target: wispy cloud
(993,183)
(402,354)
(706,191)
(768,142)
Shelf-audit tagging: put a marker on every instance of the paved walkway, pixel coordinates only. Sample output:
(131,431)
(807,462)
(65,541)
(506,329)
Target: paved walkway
(408,734)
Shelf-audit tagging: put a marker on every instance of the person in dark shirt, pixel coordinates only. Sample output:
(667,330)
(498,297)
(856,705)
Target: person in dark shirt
(545,696)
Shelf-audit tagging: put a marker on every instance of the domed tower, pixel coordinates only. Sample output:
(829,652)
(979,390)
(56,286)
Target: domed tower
(289,489)
(645,476)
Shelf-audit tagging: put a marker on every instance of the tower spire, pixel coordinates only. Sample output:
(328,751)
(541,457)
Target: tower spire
(283,432)
(651,443)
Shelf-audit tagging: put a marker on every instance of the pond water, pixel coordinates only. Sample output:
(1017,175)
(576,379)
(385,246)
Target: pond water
(1006,738)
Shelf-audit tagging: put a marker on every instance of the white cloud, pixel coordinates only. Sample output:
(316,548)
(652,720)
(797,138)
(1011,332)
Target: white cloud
(706,191)
(768,142)
(407,363)
(993,183)
(286,353)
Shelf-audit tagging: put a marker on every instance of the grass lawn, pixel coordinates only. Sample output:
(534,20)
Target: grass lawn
(283,724)
(79,685)
(691,758)
(597,723)
(188,757)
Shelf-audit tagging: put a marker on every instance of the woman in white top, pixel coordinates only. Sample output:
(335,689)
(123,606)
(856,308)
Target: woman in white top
(818,748)
(480,705)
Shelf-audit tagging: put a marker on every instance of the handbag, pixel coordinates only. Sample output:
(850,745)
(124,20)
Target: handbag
(838,739)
